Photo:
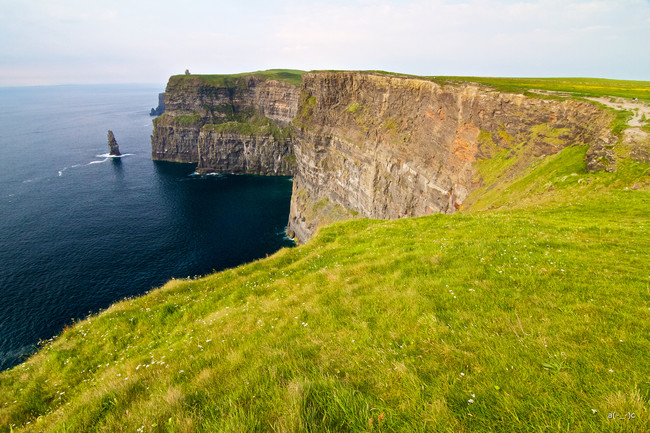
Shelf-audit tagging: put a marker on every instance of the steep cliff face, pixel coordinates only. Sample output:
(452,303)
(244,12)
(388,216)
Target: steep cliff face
(369,144)
(382,146)
(227,124)
(229,152)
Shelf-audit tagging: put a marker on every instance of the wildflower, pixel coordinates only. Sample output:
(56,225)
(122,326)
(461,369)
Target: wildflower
(594,410)
(470,401)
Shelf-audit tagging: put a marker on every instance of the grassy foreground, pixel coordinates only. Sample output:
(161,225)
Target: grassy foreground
(525,320)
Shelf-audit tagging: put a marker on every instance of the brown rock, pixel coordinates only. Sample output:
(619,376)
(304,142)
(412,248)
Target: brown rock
(113,148)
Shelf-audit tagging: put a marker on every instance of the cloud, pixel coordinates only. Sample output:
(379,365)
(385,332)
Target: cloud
(147,41)
(477,37)
(65,13)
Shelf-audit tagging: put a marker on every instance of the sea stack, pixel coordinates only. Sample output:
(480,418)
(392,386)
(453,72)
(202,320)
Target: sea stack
(113,148)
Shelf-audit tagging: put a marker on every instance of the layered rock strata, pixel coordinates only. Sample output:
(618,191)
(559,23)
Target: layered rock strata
(382,146)
(227,125)
(367,144)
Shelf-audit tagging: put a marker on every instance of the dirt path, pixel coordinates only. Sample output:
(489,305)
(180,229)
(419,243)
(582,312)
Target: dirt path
(638,108)
(634,135)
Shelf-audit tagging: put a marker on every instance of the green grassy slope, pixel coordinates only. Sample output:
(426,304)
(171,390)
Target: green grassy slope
(534,319)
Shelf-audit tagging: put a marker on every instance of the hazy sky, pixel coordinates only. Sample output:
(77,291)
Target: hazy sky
(143,41)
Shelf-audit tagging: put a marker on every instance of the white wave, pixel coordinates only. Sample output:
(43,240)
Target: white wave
(217,175)
(108,155)
(98,162)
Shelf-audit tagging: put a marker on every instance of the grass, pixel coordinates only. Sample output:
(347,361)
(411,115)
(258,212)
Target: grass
(291,76)
(544,180)
(577,87)
(532,319)
(574,87)
(261,126)
(187,119)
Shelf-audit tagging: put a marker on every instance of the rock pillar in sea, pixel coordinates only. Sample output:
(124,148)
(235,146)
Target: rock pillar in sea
(113,148)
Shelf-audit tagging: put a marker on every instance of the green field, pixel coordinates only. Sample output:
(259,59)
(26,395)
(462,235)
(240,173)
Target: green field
(526,312)
(573,87)
(578,87)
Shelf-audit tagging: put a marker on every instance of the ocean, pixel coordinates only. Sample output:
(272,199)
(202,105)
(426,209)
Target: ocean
(80,230)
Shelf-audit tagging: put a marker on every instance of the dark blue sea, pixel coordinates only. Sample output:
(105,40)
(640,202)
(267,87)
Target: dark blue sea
(79,230)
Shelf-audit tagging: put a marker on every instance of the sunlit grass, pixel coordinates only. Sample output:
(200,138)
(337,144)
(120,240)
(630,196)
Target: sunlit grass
(579,87)
(509,321)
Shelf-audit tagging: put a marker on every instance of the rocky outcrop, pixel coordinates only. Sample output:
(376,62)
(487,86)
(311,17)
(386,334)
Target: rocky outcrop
(382,146)
(228,124)
(113,148)
(160,109)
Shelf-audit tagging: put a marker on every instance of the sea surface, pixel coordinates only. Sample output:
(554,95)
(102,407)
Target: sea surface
(80,230)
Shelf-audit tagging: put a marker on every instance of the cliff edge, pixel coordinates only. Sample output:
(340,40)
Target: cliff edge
(228,124)
(372,144)
(384,146)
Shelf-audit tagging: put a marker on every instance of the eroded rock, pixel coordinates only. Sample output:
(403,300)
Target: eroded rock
(113,148)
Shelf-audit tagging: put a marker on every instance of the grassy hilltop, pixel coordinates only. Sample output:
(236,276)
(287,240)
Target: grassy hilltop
(526,312)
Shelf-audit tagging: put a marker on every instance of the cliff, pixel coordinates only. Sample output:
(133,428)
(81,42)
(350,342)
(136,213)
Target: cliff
(370,144)
(382,146)
(228,124)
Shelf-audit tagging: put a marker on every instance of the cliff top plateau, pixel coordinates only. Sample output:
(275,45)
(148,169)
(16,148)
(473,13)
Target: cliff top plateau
(475,259)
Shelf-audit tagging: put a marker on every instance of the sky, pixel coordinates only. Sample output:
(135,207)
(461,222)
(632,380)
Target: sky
(44,42)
